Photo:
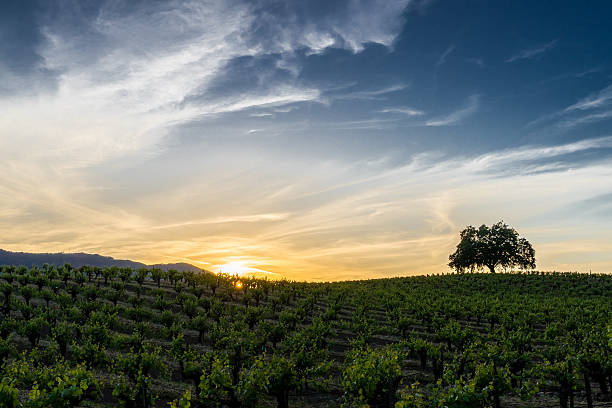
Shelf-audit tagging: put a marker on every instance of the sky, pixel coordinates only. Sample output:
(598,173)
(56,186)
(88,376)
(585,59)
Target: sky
(308,140)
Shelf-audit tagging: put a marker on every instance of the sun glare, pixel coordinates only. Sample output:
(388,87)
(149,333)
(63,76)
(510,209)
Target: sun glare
(239,268)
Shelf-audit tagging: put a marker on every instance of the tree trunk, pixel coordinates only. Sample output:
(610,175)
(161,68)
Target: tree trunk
(496,402)
(587,389)
(491,268)
(423,358)
(391,398)
(563,394)
(603,385)
(282,399)
(438,367)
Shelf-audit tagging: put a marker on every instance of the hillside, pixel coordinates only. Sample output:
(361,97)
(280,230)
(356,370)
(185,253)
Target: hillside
(458,341)
(80,259)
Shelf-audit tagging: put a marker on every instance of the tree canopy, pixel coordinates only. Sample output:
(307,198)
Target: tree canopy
(498,245)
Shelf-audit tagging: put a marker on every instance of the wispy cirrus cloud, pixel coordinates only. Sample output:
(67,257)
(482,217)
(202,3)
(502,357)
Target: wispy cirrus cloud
(496,161)
(533,52)
(122,80)
(584,120)
(594,100)
(374,94)
(573,75)
(128,73)
(442,59)
(254,218)
(593,108)
(459,115)
(361,124)
(205,131)
(404,110)
(347,24)
(307,218)
(476,61)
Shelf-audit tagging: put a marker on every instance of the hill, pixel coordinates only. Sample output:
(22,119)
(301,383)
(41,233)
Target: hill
(80,259)
(462,340)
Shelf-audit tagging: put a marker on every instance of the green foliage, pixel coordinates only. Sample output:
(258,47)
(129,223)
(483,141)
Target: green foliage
(201,324)
(183,402)
(412,397)
(59,386)
(33,329)
(63,333)
(224,383)
(7,349)
(139,368)
(461,394)
(9,395)
(27,292)
(498,245)
(90,353)
(141,275)
(47,355)
(278,377)
(484,338)
(371,375)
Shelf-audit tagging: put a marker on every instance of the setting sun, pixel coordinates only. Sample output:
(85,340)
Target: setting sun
(240,268)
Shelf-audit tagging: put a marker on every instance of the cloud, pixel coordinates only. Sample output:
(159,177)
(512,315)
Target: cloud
(573,75)
(575,114)
(360,124)
(592,118)
(303,218)
(497,161)
(108,166)
(476,61)
(375,94)
(111,84)
(405,110)
(126,74)
(286,109)
(254,218)
(531,53)
(445,55)
(595,100)
(421,5)
(457,116)
(318,25)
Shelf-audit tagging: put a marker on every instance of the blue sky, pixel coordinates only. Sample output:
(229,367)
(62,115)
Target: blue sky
(312,140)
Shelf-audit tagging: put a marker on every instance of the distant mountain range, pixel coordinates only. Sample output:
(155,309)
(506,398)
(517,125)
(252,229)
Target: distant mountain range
(80,259)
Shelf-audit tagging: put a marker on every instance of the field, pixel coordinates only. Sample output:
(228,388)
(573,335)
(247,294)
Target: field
(116,337)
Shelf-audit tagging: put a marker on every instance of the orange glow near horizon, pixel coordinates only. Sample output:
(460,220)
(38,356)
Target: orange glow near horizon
(153,146)
(241,268)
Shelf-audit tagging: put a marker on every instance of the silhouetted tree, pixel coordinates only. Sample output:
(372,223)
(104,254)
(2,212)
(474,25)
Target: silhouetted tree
(498,245)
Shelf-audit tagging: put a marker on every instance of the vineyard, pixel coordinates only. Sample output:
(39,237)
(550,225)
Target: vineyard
(94,337)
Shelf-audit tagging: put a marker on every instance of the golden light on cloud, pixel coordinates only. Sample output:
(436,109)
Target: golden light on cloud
(241,268)
(402,221)
(208,142)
